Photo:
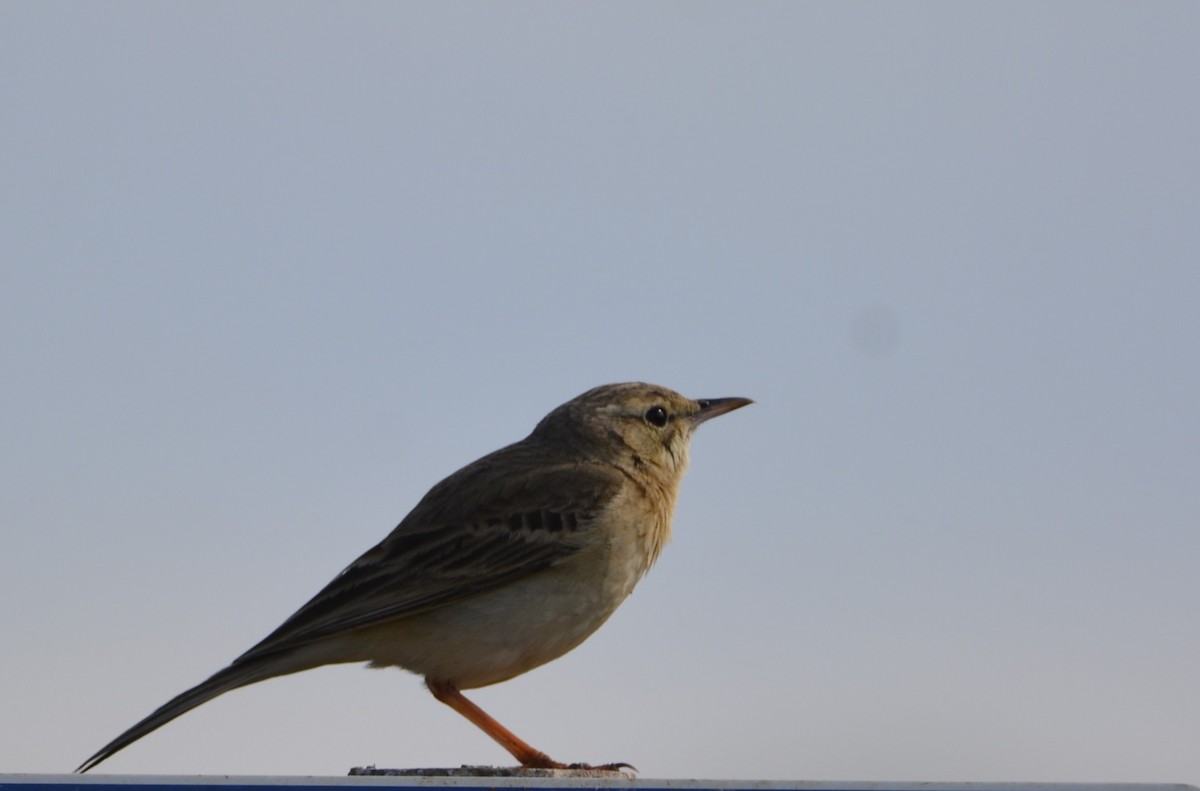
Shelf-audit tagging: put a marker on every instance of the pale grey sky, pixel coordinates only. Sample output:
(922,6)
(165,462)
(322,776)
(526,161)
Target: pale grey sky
(271,270)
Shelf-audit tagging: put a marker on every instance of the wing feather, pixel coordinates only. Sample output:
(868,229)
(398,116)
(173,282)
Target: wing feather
(515,519)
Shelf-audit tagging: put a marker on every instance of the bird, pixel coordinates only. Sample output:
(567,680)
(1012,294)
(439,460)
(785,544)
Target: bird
(508,563)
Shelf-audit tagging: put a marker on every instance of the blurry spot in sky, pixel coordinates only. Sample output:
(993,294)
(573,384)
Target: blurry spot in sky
(875,331)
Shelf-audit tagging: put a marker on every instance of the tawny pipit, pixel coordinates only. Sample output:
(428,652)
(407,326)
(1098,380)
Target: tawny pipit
(507,564)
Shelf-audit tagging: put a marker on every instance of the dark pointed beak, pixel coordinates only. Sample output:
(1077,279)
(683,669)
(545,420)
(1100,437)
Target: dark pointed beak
(711,407)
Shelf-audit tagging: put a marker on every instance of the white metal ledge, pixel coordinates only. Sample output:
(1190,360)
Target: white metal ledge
(101,782)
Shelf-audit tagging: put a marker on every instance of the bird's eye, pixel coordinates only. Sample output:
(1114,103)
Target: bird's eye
(656,416)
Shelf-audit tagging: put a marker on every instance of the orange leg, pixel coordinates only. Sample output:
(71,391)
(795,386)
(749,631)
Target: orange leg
(528,756)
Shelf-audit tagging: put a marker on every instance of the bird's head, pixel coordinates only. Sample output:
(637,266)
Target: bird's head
(635,425)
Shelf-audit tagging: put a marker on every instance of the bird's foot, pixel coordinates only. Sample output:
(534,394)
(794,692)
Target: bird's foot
(615,767)
(543,761)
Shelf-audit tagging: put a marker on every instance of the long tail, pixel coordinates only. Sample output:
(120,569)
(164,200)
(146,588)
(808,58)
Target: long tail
(232,677)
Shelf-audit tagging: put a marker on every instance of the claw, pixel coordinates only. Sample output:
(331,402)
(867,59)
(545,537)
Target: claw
(614,767)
